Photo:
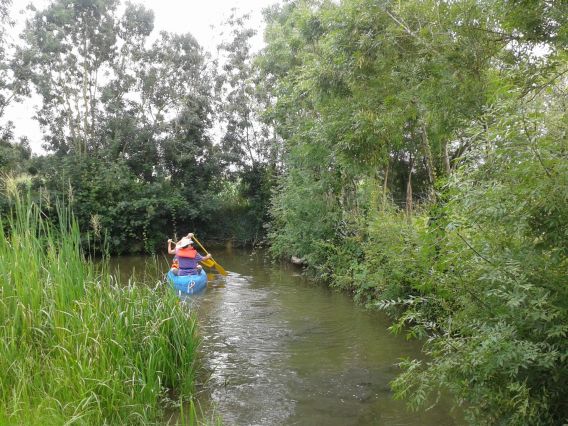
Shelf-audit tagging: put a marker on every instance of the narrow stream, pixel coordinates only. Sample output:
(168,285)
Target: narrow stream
(284,351)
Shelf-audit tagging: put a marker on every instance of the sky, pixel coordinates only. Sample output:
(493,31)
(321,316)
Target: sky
(197,17)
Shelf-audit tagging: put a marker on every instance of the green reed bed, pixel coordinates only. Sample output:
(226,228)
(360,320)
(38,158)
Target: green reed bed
(76,346)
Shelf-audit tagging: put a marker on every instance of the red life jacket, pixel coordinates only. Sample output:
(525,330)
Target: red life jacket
(188,252)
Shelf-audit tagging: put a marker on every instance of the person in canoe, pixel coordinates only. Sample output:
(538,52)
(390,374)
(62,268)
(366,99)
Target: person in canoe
(186,256)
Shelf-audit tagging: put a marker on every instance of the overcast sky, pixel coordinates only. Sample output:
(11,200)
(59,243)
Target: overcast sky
(181,16)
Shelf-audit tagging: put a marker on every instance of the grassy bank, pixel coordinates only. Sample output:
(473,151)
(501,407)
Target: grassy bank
(75,344)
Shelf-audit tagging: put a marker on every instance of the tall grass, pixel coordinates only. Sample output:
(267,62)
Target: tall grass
(76,346)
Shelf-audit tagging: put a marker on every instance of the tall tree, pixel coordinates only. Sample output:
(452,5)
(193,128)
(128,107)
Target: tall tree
(249,138)
(113,101)
(70,50)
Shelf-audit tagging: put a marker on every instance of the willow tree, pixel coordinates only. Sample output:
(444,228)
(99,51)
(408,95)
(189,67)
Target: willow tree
(372,98)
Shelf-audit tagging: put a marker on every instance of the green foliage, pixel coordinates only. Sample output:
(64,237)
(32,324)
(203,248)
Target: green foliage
(411,152)
(305,216)
(484,277)
(448,110)
(510,215)
(75,344)
(108,201)
(14,156)
(235,217)
(394,262)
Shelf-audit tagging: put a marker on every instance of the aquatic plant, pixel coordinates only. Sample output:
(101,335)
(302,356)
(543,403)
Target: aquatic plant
(76,344)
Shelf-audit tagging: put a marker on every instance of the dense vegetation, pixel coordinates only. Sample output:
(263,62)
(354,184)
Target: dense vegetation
(412,152)
(76,346)
(426,171)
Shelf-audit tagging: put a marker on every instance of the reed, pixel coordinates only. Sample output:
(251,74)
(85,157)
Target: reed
(76,345)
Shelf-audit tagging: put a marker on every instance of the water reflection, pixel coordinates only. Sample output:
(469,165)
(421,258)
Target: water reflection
(283,351)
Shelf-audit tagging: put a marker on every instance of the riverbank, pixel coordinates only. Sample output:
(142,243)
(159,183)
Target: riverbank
(77,344)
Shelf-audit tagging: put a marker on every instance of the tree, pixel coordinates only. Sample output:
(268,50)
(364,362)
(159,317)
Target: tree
(14,156)
(496,309)
(69,46)
(248,139)
(249,144)
(11,89)
(112,102)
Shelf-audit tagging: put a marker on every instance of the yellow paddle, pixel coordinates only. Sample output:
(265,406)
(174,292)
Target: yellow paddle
(210,262)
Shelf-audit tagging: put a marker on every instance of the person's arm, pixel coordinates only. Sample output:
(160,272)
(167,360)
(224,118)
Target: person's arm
(199,258)
(170,250)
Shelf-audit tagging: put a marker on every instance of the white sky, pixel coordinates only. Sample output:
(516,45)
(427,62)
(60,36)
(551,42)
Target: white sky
(181,16)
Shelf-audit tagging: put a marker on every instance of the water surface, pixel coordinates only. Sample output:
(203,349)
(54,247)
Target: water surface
(284,351)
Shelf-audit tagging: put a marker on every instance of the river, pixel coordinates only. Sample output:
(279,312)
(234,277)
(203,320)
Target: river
(282,350)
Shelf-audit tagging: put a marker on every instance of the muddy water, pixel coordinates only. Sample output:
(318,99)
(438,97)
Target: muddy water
(284,351)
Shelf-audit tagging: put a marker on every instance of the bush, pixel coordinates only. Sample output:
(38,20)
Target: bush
(498,336)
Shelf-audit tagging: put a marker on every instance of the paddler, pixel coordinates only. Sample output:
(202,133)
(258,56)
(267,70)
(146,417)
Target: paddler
(186,256)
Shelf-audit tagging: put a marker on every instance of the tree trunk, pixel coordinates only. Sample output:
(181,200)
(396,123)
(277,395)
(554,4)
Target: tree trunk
(427,152)
(446,158)
(409,189)
(86,74)
(93,98)
(75,136)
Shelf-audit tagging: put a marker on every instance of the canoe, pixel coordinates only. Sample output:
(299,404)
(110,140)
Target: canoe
(189,284)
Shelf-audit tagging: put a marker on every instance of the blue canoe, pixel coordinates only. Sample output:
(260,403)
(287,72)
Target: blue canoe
(189,284)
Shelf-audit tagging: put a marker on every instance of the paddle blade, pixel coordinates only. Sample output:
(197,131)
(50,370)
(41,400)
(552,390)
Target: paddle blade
(210,263)
(219,268)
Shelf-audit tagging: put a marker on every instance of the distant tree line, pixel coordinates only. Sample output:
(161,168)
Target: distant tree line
(128,125)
